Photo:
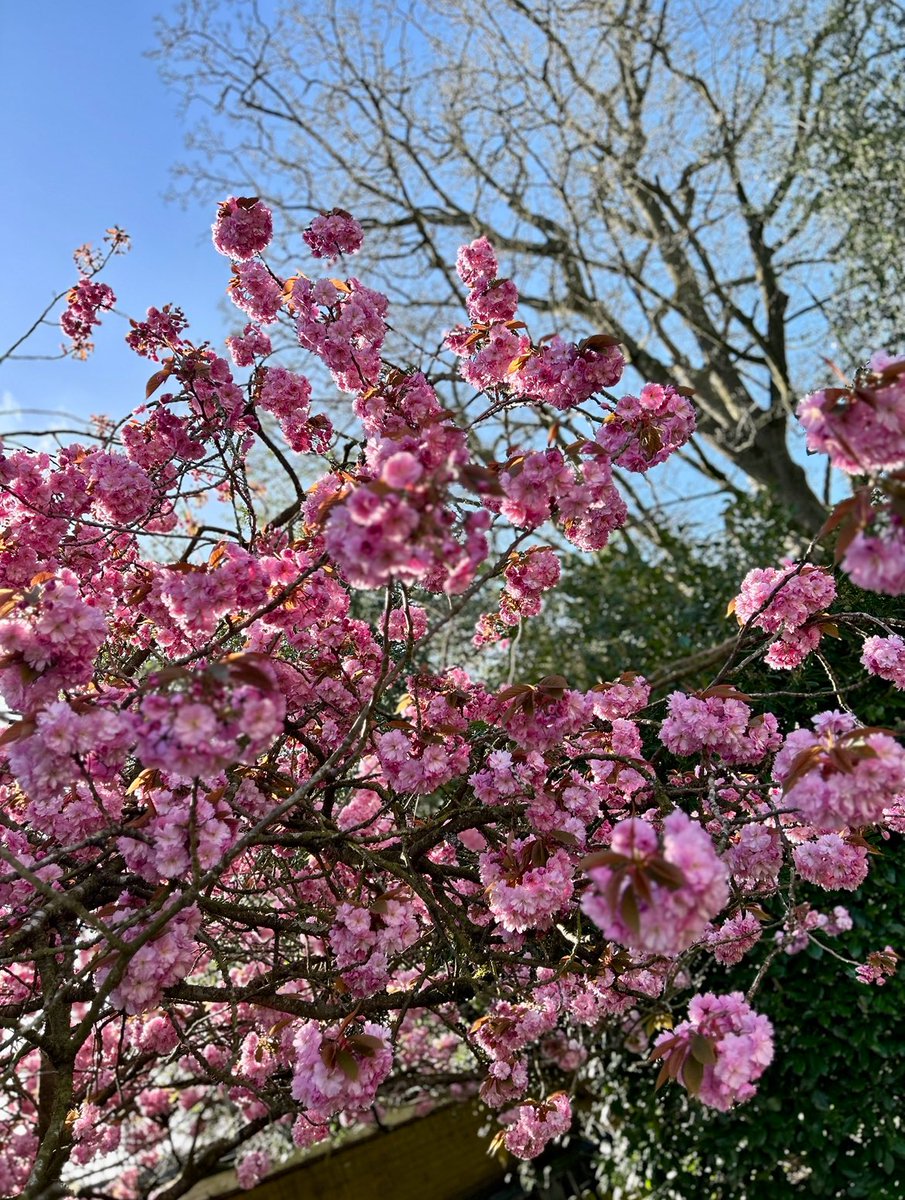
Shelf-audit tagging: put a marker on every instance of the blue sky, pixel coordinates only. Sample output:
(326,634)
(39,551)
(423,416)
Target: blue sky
(90,134)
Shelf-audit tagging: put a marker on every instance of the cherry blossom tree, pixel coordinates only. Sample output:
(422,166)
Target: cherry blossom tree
(268,867)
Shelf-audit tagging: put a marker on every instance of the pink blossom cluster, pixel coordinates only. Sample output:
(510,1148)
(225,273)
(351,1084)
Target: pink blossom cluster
(527,577)
(543,716)
(333,234)
(731,1044)
(840,774)
(476,264)
(718,725)
(875,557)
(248,345)
(410,622)
(49,641)
(214,398)
(183,832)
(418,765)
(783,602)
(92,1134)
(653,895)
(257,292)
(121,490)
(287,397)
(731,941)
(50,763)
(396,521)
(503,779)
(861,428)
(564,375)
(832,862)
(489,299)
(644,430)
(344,325)
(335,1070)
(161,329)
(252,1167)
(557,373)
(502,1035)
(755,857)
(542,486)
(623,697)
(526,883)
(206,727)
(365,940)
(802,921)
(165,437)
(885,657)
(879,966)
(84,302)
(533,1125)
(158,963)
(243,228)
(508,1028)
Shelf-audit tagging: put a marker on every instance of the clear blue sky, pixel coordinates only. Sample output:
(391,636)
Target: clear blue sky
(90,135)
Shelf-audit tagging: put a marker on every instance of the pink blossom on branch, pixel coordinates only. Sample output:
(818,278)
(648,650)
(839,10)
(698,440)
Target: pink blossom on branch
(719,1052)
(333,234)
(885,657)
(656,895)
(243,228)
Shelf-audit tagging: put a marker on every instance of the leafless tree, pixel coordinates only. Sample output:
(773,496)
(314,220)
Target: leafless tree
(646,166)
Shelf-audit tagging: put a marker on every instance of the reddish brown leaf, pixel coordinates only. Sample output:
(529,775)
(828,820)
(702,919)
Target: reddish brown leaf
(19,729)
(629,911)
(598,342)
(692,1075)
(348,1064)
(702,1050)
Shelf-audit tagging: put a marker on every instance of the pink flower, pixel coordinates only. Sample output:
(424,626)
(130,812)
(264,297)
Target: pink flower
(333,234)
(252,1167)
(85,301)
(256,292)
(497,301)
(643,432)
(875,557)
(734,938)
(338,1070)
(832,863)
(756,857)
(719,725)
(477,264)
(531,1126)
(862,429)
(885,657)
(161,330)
(250,344)
(840,775)
(782,602)
(243,227)
(526,884)
(719,1052)
(652,898)
(159,963)
(880,966)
